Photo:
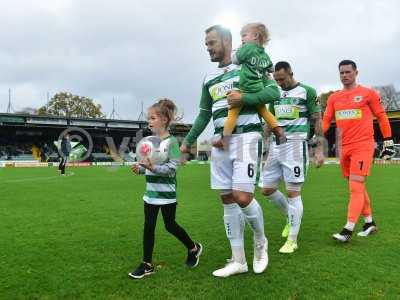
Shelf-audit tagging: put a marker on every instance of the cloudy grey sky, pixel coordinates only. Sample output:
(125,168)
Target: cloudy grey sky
(135,50)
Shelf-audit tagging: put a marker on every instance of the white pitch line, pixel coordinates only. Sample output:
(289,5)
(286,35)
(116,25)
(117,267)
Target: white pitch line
(36,179)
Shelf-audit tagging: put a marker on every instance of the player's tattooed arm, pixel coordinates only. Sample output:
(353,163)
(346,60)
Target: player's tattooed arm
(316,121)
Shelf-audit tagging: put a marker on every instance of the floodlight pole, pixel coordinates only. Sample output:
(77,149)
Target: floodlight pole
(9,106)
(141,115)
(48,100)
(114,113)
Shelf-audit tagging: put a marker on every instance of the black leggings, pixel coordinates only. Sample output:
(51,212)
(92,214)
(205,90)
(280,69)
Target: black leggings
(150,219)
(62,164)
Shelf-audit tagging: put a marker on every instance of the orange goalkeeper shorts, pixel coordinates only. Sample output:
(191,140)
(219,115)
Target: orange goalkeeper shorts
(357,158)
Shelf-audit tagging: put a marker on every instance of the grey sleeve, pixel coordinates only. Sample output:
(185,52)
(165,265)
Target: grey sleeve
(169,168)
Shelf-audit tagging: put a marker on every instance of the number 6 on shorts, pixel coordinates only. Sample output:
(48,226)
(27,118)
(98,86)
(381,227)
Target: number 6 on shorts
(250,170)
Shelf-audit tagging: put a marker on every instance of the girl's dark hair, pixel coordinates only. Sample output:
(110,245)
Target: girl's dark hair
(165,108)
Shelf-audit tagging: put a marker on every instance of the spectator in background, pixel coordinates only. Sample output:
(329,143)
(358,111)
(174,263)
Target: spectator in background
(65,150)
(45,152)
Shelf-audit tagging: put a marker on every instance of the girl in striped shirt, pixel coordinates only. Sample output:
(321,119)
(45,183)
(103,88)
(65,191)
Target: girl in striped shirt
(161,191)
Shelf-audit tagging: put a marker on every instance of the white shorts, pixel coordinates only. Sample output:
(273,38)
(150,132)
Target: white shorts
(288,161)
(236,167)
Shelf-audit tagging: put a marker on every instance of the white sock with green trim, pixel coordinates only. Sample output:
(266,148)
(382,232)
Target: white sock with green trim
(254,216)
(295,213)
(234,227)
(280,201)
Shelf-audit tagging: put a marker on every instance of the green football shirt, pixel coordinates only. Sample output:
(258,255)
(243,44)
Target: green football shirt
(293,110)
(255,64)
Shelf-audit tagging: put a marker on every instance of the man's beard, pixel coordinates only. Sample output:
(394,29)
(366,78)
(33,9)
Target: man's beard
(216,57)
(219,56)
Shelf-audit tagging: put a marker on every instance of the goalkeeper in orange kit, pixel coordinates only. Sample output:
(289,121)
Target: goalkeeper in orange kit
(353,109)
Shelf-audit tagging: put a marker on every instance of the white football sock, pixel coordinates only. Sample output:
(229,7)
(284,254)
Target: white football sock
(254,217)
(295,213)
(368,219)
(234,227)
(280,201)
(350,226)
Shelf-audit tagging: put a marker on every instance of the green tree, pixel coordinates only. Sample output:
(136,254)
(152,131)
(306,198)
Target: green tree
(323,99)
(68,105)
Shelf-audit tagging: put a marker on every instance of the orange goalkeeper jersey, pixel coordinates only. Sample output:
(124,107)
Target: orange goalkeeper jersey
(354,111)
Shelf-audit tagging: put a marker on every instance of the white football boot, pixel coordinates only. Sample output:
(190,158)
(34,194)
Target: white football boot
(344,236)
(368,228)
(260,260)
(231,268)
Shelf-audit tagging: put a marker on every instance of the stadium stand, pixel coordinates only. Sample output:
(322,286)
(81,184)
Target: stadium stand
(31,138)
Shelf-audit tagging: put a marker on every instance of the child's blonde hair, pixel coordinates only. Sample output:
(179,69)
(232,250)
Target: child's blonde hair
(260,30)
(165,108)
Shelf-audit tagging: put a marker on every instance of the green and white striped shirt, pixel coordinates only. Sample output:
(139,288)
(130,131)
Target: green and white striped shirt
(161,183)
(213,103)
(215,87)
(293,110)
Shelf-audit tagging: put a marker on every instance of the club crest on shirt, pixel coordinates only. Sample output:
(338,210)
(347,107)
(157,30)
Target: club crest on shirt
(285,94)
(357,99)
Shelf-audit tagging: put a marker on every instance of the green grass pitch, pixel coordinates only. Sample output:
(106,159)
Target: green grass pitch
(79,236)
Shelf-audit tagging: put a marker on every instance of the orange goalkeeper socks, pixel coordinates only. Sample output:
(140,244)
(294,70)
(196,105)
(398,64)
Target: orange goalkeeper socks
(357,200)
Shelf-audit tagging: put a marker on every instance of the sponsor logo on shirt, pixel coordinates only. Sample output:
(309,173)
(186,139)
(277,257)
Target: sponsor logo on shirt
(348,114)
(218,91)
(357,99)
(286,111)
